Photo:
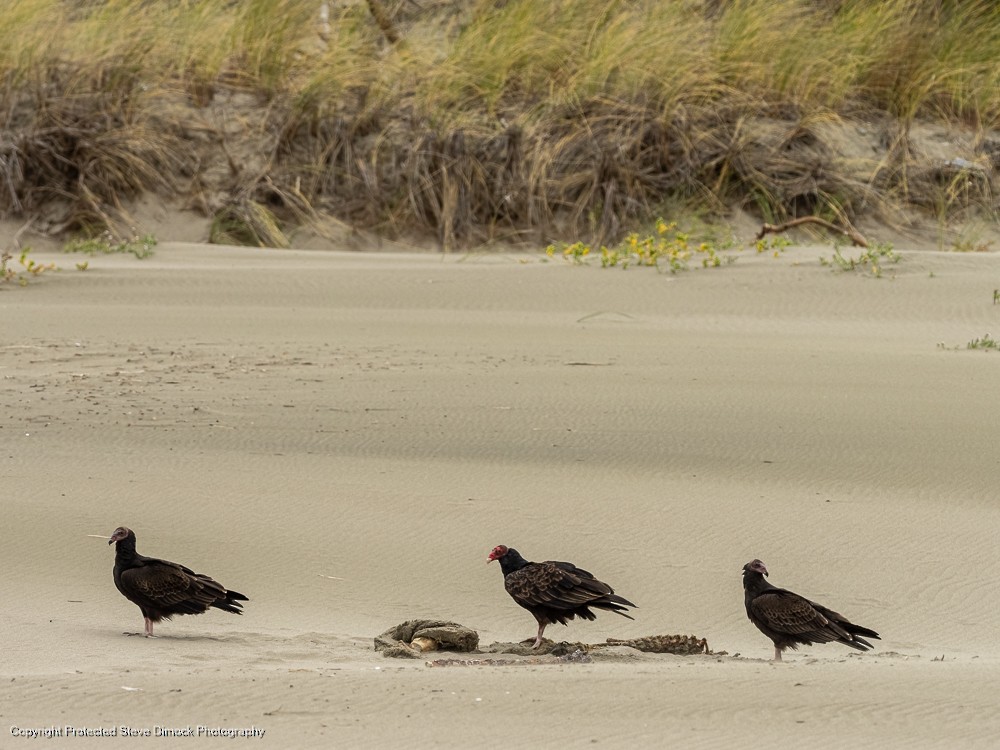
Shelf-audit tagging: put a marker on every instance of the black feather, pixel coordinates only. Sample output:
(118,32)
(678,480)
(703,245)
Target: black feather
(555,591)
(162,589)
(790,620)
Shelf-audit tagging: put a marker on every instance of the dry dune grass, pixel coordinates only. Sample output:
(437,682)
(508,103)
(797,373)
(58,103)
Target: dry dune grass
(490,119)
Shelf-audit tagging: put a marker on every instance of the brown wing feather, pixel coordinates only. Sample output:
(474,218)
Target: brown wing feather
(172,589)
(791,614)
(559,586)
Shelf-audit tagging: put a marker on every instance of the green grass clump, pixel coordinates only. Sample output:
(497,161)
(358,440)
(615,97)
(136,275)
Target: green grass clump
(871,259)
(986,342)
(106,243)
(774,245)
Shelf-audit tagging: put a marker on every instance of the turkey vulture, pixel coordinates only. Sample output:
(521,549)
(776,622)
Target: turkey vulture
(162,589)
(555,591)
(791,620)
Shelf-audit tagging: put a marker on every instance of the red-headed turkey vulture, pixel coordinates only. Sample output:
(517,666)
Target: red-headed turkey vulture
(555,591)
(791,620)
(162,589)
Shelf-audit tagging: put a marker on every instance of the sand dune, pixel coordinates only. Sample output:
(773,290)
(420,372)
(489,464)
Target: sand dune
(344,437)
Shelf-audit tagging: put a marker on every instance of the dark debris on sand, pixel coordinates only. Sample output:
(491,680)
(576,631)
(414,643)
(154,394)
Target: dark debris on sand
(414,638)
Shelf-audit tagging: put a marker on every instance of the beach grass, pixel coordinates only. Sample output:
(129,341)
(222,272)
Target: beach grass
(485,119)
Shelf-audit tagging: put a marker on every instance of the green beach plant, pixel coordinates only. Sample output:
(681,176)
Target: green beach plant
(665,249)
(106,243)
(870,260)
(29,268)
(985,342)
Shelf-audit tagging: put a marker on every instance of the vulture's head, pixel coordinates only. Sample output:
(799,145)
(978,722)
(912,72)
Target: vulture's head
(499,551)
(755,566)
(120,534)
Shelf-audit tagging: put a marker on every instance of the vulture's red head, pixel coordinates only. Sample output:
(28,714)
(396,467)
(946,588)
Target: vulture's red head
(120,533)
(498,552)
(755,566)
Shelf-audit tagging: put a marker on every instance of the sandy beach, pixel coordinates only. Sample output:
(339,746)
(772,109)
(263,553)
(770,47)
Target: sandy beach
(344,437)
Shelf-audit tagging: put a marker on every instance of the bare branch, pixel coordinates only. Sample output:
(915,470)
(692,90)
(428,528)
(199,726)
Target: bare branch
(847,231)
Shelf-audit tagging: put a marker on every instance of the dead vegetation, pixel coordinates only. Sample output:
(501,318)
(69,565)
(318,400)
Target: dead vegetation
(847,231)
(480,121)
(413,638)
(79,154)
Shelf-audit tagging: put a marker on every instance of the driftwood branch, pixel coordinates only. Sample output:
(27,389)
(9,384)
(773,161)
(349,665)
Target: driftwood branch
(847,231)
(381,16)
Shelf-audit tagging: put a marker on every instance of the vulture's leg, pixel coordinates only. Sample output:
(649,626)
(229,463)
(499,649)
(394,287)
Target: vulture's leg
(538,640)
